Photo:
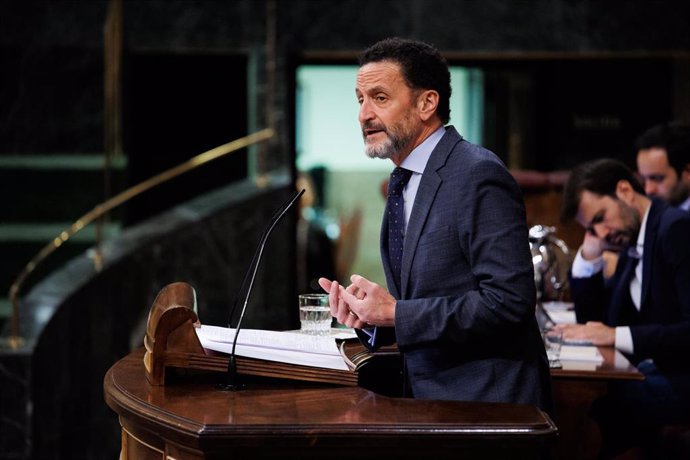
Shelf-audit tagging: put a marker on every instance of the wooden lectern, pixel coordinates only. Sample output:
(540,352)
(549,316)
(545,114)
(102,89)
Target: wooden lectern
(170,339)
(300,417)
(171,343)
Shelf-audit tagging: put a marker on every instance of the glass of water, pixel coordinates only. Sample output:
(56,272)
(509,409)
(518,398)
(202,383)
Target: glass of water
(314,314)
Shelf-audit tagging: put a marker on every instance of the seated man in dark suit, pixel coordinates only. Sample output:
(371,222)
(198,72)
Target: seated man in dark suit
(663,162)
(643,309)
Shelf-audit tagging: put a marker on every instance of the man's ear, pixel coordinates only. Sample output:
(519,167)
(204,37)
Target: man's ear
(625,192)
(427,103)
(685,174)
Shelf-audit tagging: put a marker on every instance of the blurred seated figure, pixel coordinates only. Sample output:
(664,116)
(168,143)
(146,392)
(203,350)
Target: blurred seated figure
(317,235)
(348,243)
(663,162)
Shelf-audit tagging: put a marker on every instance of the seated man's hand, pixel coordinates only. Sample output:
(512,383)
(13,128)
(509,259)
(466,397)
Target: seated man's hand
(598,333)
(592,247)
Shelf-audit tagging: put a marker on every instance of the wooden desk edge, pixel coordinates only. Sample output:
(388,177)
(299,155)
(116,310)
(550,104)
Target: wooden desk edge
(607,370)
(130,407)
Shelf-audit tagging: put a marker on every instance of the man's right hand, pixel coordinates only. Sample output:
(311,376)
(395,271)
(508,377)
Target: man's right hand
(592,247)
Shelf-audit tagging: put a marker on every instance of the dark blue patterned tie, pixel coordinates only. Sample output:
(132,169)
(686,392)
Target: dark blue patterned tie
(396,220)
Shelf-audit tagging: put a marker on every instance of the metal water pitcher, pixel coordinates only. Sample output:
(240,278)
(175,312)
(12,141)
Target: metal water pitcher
(552,260)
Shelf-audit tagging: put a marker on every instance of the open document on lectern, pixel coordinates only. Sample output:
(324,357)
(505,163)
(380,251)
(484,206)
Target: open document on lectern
(284,347)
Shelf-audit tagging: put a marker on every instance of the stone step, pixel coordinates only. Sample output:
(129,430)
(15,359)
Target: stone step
(20,242)
(57,187)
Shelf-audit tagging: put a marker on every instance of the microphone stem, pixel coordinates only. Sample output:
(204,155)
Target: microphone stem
(253,268)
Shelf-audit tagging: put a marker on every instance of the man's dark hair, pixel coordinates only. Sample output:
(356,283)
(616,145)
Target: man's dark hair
(673,137)
(422,66)
(600,177)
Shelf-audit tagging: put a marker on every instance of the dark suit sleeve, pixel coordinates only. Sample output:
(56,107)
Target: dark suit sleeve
(667,337)
(473,277)
(590,297)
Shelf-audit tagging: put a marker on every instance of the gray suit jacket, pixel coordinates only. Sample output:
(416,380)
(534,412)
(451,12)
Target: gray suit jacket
(465,316)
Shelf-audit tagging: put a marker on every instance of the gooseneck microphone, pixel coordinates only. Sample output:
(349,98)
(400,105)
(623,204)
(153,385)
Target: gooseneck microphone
(232,383)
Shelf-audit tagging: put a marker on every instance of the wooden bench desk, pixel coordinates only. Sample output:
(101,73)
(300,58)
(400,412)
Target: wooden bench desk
(575,386)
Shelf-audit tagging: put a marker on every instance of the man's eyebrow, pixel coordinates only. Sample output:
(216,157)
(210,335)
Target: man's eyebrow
(377,89)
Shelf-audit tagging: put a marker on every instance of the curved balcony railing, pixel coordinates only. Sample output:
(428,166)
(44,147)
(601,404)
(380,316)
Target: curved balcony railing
(15,340)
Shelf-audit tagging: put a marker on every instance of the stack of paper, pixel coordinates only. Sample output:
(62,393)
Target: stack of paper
(580,353)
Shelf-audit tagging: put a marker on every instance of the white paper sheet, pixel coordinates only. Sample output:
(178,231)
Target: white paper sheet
(284,347)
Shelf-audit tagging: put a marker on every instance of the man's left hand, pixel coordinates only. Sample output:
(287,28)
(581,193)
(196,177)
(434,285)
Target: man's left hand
(340,310)
(372,303)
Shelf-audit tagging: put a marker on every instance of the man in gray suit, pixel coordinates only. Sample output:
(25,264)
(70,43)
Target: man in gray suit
(460,302)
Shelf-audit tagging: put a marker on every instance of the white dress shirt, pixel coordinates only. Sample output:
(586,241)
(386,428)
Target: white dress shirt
(685,205)
(416,162)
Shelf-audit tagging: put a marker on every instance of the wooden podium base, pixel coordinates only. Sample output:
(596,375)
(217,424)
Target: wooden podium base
(291,413)
(301,420)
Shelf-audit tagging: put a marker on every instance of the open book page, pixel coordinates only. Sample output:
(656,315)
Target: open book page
(284,347)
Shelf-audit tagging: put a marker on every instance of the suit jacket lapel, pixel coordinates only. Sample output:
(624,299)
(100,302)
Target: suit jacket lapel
(426,193)
(653,221)
(422,204)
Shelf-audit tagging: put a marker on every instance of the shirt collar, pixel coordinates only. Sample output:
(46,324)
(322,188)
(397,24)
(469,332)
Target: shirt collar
(643,229)
(685,205)
(417,159)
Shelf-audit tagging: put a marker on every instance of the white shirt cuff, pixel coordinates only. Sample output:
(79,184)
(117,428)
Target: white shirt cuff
(371,332)
(624,341)
(583,268)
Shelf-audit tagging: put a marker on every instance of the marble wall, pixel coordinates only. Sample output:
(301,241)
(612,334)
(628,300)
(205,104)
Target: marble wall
(52,51)
(79,321)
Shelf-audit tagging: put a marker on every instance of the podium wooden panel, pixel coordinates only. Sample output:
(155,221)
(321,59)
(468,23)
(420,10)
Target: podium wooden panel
(304,420)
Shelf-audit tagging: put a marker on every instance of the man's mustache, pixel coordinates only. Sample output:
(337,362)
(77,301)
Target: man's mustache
(369,126)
